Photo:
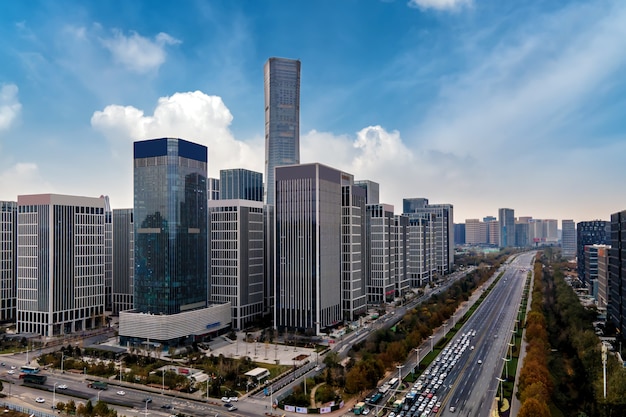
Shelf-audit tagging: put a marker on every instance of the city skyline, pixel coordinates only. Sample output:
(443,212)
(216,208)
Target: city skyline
(482,105)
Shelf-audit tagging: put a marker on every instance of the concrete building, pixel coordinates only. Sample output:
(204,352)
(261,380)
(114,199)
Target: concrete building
(171,305)
(589,233)
(616,309)
(476,232)
(380,261)
(123,260)
(594,256)
(421,263)
(282,118)
(108,255)
(308,248)
(568,239)
(603,276)
(60,255)
(8,260)
(237,258)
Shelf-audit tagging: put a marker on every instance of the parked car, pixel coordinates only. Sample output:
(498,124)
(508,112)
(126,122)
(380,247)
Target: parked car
(226,399)
(40,400)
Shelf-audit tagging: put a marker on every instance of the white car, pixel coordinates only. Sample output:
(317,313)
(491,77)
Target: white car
(40,400)
(225,399)
(234,399)
(62,386)
(121,393)
(11,372)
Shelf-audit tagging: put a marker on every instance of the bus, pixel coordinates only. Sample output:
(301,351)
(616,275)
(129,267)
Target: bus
(393,382)
(377,397)
(98,385)
(27,369)
(35,379)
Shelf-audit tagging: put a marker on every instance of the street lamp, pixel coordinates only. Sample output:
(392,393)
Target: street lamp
(431,337)
(417,353)
(99,396)
(604,367)
(62,360)
(501,395)
(399,377)
(506,367)
(511,350)
(54,396)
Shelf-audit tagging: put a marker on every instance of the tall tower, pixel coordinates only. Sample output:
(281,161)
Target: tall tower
(506,223)
(8,256)
(170,226)
(282,118)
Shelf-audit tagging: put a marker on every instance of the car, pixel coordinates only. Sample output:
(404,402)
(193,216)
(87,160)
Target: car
(11,372)
(3,364)
(167,406)
(13,367)
(147,400)
(121,393)
(232,408)
(480,361)
(452,409)
(366,411)
(233,399)
(62,386)
(40,400)
(226,399)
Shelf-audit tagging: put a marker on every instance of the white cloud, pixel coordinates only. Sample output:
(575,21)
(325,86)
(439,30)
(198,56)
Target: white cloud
(440,4)
(22,178)
(10,107)
(192,116)
(137,53)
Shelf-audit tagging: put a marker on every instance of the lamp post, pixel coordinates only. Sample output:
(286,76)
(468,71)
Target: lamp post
(431,337)
(604,367)
(399,377)
(511,350)
(99,396)
(162,381)
(62,360)
(417,353)
(501,381)
(506,367)
(54,395)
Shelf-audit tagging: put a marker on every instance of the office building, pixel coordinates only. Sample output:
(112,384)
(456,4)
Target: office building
(506,224)
(380,273)
(237,257)
(476,232)
(241,184)
(400,243)
(60,255)
(353,234)
(282,118)
(8,260)
(171,247)
(459,234)
(616,303)
(568,239)
(421,264)
(123,260)
(372,190)
(443,226)
(589,233)
(593,256)
(602,294)
(308,248)
(213,192)
(108,255)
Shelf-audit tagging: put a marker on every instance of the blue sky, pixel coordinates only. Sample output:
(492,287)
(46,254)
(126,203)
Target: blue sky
(479,103)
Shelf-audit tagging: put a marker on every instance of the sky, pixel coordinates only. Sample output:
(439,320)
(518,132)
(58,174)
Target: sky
(482,104)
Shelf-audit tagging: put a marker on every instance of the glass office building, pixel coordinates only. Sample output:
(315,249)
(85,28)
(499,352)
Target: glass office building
(170,223)
(282,117)
(241,184)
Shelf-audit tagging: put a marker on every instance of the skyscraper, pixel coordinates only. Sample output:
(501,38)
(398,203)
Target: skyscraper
(308,247)
(506,223)
(171,245)
(241,184)
(60,273)
(568,239)
(589,233)
(8,260)
(123,259)
(282,118)
(616,309)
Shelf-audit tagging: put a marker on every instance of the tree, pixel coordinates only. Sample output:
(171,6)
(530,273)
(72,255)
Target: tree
(70,407)
(534,408)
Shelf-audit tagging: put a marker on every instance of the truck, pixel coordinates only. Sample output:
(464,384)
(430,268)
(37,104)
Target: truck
(98,385)
(376,398)
(358,408)
(35,379)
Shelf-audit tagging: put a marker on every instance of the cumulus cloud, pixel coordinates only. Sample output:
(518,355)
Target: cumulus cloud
(440,4)
(10,107)
(30,181)
(193,116)
(138,53)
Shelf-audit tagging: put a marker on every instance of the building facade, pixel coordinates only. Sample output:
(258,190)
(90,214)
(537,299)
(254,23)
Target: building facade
(308,248)
(241,184)
(506,224)
(372,190)
(123,260)
(589,233)
(237,258)
(8,260)
(568,239)
(616,308)
(282,118)
(171,242)
(60,258)
(380,274)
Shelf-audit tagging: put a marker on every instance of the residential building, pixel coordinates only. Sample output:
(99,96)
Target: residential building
(123,260)
(568,239)
(282,118)
(8,260)
(308,247)
(506,224)
(237,257)
(171,305)
(241,184)
(60,257)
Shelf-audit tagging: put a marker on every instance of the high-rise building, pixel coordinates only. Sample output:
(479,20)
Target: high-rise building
(568,239)
(400,243)
(308,247)
(421,264)
(380,270)
(475,232)
(123,260)
(108,255)
(241,184)
(60,255)
(237,257)
(602,295)
(353,224)
(522,234)
(616,309)
(593,256)
(8,260)
(443,226)
(372,190)
(459,234)
(589,233)
(506,223)
(213,192)
(282,118)
(171,247)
